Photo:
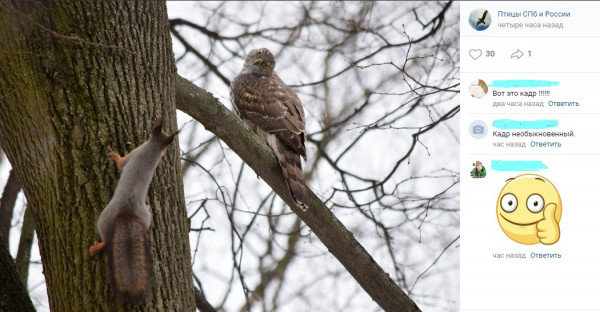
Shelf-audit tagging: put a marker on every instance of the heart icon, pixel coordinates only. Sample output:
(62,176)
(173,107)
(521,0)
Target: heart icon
(475,53)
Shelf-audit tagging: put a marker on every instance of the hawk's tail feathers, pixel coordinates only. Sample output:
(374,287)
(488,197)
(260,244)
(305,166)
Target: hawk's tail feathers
(292,172)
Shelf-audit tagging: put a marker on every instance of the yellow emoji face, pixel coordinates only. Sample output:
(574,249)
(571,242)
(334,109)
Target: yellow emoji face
(529,210)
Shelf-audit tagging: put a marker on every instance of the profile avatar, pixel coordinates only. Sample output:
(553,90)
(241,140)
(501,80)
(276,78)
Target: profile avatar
(478,129)
(478,171)
(529,209)
(478,89)
(480,19)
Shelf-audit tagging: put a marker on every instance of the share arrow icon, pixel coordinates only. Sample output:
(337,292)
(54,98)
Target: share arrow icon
(517,54)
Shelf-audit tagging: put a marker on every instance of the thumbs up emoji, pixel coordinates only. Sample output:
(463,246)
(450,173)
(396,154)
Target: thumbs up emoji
(529,210)
(547,229)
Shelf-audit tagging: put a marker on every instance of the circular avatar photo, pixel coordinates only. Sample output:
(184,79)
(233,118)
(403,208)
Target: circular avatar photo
(478,88)
(478,129)
(480,19)
(478,171)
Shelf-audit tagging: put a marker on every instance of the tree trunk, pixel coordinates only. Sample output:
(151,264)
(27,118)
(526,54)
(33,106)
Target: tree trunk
(13,295)
(74,75)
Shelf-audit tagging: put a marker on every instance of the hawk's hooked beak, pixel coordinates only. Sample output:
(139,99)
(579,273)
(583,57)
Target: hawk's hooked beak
(260,60)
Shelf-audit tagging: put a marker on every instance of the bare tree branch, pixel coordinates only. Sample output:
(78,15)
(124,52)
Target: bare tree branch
(201,302)
(7,203)
(25,243)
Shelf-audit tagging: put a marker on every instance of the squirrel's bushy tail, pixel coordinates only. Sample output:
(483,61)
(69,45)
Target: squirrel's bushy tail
(129,258)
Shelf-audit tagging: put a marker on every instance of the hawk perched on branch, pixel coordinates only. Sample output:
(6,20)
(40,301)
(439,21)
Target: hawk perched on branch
(274,112)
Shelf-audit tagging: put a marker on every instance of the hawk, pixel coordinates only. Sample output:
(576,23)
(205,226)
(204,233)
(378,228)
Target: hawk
(273,111)
(482,19)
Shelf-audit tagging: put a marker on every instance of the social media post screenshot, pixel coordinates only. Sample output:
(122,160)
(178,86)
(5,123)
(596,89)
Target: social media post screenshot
(529,158)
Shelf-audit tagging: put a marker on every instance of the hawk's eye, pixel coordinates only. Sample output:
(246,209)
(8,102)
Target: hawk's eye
(267,66)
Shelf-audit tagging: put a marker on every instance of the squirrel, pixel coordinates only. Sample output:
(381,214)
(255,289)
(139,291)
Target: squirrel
(123,225)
